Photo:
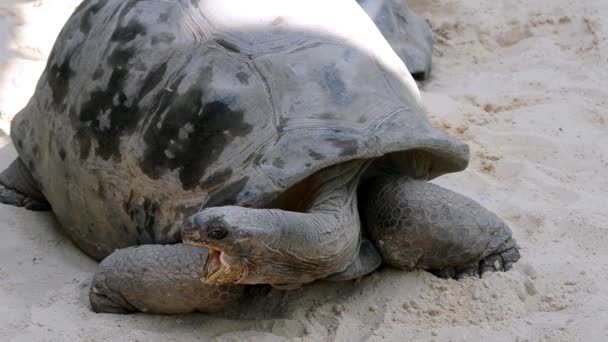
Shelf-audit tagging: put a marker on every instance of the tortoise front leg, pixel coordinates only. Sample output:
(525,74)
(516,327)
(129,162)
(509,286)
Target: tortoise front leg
(417,224)
(160,279)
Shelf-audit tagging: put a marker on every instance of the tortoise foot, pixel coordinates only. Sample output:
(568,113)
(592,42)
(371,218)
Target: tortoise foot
(104,300)
(17,199)
(496,262)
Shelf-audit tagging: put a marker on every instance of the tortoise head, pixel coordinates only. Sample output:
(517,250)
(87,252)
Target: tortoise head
(234,243)
(283,247)
(266,246)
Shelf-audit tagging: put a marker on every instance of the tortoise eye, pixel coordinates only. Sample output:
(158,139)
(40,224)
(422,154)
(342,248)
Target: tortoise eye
(217,231)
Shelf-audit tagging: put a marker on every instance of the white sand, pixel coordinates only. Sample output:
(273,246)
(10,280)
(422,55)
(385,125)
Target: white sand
(523,82)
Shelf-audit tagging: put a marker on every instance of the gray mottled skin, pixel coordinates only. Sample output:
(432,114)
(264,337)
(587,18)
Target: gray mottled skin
(409,35)
(154,113)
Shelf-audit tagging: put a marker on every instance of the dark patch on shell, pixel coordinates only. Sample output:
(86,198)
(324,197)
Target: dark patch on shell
(316,155)
(80,7)
(278,163)
(59,76)
(122,118)
(84,144)
(85,22)
(120,57)
(327,116)
(218,178)
(99,72)
(125,34)
(153,79)
(62,154)
(163,17)
(336,86)
(243,77)
(349,147)
(165,37)
(228,46)
(128,5)
(212,126)
(227,195)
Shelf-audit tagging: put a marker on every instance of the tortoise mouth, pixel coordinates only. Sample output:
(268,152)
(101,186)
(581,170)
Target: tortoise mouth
(214,262)
(219,270)
(220,267)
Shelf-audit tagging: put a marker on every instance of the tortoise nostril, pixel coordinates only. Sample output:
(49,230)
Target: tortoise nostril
(188,224)
(191,234)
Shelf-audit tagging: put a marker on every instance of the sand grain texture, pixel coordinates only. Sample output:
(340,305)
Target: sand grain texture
(525,83)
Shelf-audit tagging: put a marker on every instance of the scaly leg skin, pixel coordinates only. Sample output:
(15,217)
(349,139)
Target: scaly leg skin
(417,224)
(160,279)
(18,188)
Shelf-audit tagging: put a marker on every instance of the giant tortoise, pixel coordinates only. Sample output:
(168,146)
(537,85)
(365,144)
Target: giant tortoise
(197,146)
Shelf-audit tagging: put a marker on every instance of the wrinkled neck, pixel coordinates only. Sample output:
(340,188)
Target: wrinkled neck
(324,239)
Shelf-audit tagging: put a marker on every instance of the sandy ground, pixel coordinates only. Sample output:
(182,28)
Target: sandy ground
(523,82)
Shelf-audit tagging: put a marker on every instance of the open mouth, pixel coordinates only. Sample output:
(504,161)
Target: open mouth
(214,262)
(219,271)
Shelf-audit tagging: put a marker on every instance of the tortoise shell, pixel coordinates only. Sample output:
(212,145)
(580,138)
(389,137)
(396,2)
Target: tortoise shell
(150,110)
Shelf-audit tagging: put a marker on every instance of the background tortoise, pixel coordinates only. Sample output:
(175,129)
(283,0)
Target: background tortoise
(407,33)
(273,116)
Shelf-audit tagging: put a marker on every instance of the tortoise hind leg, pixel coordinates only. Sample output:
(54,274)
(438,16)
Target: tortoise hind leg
(161,279)
(18,188)
(417,224)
